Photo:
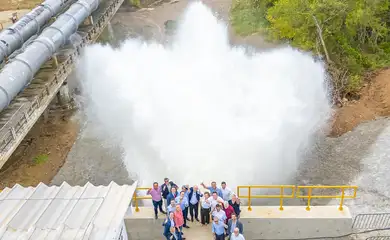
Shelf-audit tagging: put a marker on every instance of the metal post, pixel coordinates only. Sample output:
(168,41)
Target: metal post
(249,199)
(308,200)
(281,198)
(136,202)
(342,199)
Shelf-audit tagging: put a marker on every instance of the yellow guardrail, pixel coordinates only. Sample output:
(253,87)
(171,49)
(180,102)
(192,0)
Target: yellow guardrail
(281,196)
(310,195)
(137,198)
(295,193)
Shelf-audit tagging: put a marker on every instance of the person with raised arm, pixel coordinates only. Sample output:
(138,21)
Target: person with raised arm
(235,203)
(169,227)
(213,188)
(155,192)
(205,209)
(194,198)
(214,200)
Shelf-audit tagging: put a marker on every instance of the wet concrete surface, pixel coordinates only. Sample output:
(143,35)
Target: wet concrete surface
(360,157)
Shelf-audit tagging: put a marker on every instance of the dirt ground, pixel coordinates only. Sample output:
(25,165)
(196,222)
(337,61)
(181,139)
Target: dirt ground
(53,139)
(374,102)
(18,4)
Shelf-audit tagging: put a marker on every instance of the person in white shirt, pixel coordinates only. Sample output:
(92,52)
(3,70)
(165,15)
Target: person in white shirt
(226,192)
(236,235)
(214,200)
(219,213)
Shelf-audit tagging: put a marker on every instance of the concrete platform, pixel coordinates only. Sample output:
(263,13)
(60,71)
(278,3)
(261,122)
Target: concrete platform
(142,225)
(263,222)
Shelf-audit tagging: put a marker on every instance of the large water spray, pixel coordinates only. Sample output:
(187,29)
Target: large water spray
(203,110)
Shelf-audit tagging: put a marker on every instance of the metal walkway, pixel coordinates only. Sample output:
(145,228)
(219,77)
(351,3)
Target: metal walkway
(20,116)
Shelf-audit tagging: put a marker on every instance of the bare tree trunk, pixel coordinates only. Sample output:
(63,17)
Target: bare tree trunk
(319,31)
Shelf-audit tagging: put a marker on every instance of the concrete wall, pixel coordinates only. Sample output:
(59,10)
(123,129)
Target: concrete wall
(295,222)
(263,222)
(142,225)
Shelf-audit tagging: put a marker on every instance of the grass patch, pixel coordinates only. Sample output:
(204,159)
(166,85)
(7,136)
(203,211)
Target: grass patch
(41,158)
(246,20)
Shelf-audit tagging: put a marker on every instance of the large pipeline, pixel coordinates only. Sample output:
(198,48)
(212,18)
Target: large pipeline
(18,73)
(13,37)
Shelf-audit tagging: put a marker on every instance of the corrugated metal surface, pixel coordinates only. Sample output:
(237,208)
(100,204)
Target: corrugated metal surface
(63,212)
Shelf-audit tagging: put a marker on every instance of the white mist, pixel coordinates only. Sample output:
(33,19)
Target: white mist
(201,110)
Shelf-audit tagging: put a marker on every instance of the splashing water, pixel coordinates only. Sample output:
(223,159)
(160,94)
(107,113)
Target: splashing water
(203,110)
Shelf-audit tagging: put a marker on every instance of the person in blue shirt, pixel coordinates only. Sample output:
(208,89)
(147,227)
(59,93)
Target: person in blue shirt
(182,200)
(218,229)
(194,200)
(213,188)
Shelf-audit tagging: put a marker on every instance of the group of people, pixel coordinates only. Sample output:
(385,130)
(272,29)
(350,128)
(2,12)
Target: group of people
(219,204)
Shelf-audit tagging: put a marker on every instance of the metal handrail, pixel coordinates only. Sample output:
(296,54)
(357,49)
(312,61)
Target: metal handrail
(310,195)
(281,196)
(295,193)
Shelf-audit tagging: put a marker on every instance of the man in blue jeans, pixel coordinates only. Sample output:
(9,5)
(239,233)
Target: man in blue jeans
(155,192)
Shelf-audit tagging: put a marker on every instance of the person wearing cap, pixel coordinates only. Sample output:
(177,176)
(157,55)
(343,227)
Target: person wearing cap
(236,235)
(219,213)
(182,200)
(213,188)
(218,229)
(165,190)
(234,223)
(155,192)
(226,192)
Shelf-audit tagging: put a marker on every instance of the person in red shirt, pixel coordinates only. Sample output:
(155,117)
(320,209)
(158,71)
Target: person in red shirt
(229,210)
(179,221)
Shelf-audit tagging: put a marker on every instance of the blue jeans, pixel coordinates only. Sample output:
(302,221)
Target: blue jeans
(157,205)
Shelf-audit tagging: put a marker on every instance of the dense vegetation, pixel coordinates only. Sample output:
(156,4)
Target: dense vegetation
(352,36)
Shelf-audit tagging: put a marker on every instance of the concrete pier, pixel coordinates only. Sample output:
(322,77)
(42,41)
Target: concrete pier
(263,222)
(63,95)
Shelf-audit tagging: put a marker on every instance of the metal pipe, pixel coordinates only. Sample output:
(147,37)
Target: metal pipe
(18,73)
(30,24)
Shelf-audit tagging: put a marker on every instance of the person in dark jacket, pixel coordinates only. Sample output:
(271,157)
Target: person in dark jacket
(172,195)
(235,203)
(168,224)
(194,199)
(165,190)
(234,223)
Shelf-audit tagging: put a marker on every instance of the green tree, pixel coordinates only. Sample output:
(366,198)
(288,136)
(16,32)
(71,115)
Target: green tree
(352,35)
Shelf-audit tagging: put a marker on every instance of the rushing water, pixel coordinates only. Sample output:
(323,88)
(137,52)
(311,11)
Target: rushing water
(202,110)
